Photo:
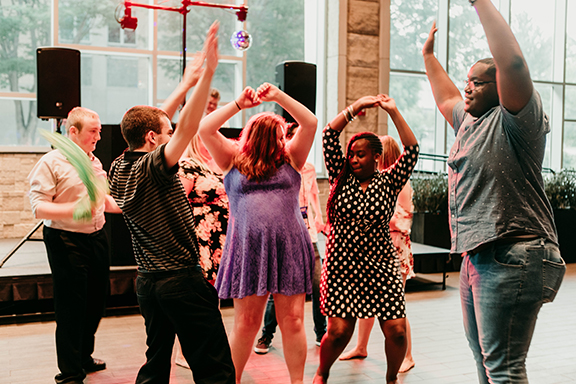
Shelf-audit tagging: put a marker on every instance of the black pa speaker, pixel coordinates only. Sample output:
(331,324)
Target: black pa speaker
(58,74)
(298,80)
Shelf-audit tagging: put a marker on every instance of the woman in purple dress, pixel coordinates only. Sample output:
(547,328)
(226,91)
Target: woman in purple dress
(267,249)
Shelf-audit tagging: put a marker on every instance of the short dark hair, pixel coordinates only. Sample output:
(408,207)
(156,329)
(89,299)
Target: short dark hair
(138,121)
(491,70)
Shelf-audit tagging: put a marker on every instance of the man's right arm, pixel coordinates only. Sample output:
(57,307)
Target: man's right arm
(42,190)
(446,94)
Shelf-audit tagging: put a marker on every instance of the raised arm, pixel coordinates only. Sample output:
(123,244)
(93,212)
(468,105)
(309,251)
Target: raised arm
(194,108)
(299,147)
(339,122)
(222,149)
(190,78)
(512,75)
(406,135)
(446,94)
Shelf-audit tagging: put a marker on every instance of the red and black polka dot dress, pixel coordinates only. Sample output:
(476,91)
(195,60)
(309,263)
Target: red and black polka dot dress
(361,276)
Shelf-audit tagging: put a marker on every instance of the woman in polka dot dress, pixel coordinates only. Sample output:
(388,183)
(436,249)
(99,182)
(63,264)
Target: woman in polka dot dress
(361,278)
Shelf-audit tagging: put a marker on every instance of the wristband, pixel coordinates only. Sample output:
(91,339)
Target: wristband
(235,102)
(472,2)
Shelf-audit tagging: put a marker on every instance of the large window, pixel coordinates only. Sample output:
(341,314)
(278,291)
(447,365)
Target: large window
(547,40)
(122,68)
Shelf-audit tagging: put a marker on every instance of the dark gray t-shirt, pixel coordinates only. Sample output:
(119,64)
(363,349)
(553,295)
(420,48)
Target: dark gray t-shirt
(495,180)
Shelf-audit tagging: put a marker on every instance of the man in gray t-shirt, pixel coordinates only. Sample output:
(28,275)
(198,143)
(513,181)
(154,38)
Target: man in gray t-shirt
(500,219)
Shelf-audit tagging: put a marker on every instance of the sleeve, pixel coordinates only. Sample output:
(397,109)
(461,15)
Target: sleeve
(155,166)
(333,155)
(530,123)
(458,116)
(399,173)
(42,184)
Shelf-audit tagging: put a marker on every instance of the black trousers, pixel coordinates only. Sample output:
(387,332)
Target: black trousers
(182,302)
(80,265)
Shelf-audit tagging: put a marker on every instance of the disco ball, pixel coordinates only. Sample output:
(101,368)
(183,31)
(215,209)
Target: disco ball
(241,40)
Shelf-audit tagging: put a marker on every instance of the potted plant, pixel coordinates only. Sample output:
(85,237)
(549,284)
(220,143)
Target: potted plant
(560,188)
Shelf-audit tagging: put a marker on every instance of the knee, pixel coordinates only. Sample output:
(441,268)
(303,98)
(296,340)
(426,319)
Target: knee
(340,335)
(248,323)
(397,334)
(292,323)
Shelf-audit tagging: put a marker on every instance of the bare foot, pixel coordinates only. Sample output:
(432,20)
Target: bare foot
(319,379)
(356,353)
(407,365)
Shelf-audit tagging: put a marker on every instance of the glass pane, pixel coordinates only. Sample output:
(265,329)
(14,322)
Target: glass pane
(24,26)
(546,94)
(169,70)
(533,26)
(410,24)
(92,22)
(569,150)
(198,21)
(115,84)
(20,124)
(467,41)
(415,101)
(570,103)
(571,43)
(278,30)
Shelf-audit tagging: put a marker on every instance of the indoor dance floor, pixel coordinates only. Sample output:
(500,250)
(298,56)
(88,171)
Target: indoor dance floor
(440,350)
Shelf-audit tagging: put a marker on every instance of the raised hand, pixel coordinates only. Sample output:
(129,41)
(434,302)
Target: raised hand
(268,92)
(428,47)
(386,102)
(194,70)
(248,98)
(366,102)
(211,47)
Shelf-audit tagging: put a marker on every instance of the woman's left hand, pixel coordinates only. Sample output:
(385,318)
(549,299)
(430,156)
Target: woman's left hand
(268,92)
(386,102)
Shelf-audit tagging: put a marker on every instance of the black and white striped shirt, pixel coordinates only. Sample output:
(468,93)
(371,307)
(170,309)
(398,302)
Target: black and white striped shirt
(156,210)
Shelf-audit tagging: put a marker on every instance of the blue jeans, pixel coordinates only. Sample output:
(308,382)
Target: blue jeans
(270,322)
(502,288)
(182,302)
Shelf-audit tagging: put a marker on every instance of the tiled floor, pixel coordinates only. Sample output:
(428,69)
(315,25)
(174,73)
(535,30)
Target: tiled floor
(440,350)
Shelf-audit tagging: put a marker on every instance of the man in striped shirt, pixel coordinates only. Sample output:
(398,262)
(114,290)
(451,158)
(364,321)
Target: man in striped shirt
(173,295)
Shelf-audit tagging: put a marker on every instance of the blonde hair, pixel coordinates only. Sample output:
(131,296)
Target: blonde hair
(77,116)
(390,152)
(262,149)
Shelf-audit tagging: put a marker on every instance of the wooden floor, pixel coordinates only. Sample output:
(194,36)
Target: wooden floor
(440,350)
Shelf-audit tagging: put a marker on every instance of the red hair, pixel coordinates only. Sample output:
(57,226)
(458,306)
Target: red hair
(262,149)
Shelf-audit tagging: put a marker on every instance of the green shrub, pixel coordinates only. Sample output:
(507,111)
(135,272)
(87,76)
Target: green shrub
(430,193)
(561,189)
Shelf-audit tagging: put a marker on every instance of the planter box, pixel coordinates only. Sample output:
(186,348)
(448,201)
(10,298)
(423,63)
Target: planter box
(565,220)
(433,229)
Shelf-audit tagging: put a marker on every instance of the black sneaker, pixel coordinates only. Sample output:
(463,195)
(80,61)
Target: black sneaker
(263,345)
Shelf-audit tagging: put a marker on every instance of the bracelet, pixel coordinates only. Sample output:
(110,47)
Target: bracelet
(351,112)
(344,112)
(235,102)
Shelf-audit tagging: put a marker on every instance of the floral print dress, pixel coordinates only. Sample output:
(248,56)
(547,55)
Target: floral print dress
(210,207)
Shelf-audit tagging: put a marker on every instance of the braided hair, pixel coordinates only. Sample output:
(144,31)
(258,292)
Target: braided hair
(338,184)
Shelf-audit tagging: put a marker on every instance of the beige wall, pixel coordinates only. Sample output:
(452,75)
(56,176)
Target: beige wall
(358,56)
(16,218)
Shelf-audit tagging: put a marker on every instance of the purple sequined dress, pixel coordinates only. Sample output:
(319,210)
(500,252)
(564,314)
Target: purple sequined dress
(268,247)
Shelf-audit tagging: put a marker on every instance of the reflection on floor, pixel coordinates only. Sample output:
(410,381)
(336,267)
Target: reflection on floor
(440,349)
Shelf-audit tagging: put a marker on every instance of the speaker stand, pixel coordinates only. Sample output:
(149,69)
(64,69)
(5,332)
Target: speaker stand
(24,239)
